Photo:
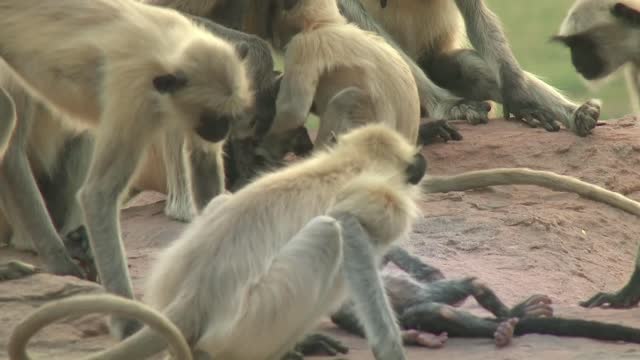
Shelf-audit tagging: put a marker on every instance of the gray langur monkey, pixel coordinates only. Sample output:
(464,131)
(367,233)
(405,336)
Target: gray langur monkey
(432,33)
(90,68)
(260,17)
(343,207)
(332,65)
(603,36)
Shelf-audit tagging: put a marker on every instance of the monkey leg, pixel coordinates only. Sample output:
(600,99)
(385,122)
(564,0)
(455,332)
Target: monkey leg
(625,298)
(346,110)
(206,171)
(178,206)
(412,265)
(60,189)
(116,155)
(24,207)
(464,73)
(440,318)
(345,318)
(298,288)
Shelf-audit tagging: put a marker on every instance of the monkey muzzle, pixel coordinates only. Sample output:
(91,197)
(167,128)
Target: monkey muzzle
(383,3)
(213,127)
(584,56)
(416,170)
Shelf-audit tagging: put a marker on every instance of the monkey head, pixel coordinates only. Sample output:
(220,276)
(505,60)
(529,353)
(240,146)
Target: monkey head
(209,93)
(602,35)
(291,17)
(384,149)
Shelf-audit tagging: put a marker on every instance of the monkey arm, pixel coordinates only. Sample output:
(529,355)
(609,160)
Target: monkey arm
(488,38)
(367,291)
(412,265)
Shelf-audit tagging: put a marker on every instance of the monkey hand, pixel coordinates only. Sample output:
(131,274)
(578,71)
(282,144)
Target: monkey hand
(474,112)
(535,306)
(626,298)
(431,130)
(585,118)
(316,345)
(518,101)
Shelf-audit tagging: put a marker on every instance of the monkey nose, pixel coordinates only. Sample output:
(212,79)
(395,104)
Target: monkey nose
(417,169)
(213,128)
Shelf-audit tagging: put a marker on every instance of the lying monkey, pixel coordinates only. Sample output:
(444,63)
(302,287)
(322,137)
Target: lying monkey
(425,308)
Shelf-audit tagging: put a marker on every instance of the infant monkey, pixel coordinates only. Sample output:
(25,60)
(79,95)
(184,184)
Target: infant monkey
(424,303)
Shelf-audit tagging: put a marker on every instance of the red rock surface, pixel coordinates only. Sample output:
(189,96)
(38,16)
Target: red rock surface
(520,240)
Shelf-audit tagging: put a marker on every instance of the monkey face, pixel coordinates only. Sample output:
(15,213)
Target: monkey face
(416,170)
(585,56)
(213,127)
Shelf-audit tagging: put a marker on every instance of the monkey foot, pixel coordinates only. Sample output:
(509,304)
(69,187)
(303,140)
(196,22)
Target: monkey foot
(627,297)
(619,300)
(124,328)
(504,332)
(534,307)
(428,340)
(475,112)
(77,245)
(586,117)
(433,129)
(16,270)
(317,345)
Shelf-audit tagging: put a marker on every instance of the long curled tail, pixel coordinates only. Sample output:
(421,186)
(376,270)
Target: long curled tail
(524,176)
(103,303)
(7,119)
(578,328)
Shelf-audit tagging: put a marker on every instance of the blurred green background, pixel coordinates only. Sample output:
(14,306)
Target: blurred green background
(529,25)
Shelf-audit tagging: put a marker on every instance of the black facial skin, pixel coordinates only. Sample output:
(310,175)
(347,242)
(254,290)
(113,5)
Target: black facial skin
(584,56)
(213,127)
(383,3)
(626,13)
(417,169)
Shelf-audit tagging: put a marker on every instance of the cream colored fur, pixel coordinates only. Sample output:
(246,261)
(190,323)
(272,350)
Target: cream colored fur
(101,63)
(223,282)
(327,56)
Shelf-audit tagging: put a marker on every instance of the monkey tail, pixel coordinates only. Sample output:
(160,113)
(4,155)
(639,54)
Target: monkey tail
(104,303)
(524,176)
(578,328)
(7,119)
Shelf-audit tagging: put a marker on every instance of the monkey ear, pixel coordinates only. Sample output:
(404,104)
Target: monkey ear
(628,11)
(242,48)
(289,4)
(383,3)
(169,83)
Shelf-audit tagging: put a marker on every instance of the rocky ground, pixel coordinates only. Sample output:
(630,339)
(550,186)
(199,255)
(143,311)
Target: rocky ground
(520,240)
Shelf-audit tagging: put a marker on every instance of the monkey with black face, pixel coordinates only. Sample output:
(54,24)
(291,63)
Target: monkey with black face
(344,207)
(424,307)
(603,36)
(186,79)
(490,72)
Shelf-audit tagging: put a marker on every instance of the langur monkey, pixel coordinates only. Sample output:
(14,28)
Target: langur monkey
(90,68)
(426,310)
(604,35)
(321,227)
(331,64)
(298,193)
(432,33)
